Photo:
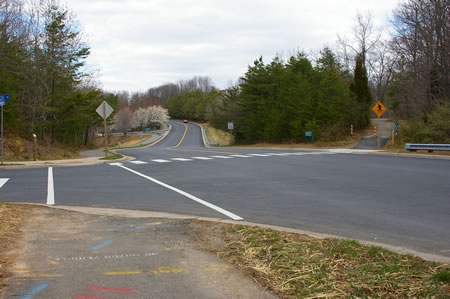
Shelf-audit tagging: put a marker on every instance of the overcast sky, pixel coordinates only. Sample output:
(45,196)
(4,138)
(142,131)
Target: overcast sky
(138,44)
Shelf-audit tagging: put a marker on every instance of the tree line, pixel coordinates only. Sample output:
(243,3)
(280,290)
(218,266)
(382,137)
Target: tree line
(42,63)
(407,70)
(43,55)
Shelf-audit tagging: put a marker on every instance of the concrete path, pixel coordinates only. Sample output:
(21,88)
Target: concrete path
(74,255)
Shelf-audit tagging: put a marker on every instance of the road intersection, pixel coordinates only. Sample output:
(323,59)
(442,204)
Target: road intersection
(389,200)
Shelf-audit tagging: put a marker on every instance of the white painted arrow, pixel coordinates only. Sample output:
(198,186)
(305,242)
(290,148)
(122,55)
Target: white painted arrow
(2,182)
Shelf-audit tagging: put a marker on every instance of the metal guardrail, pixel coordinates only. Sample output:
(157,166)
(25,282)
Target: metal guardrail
(427,147)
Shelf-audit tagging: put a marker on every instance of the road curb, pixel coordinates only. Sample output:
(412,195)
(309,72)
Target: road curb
(162,215)
(206,144)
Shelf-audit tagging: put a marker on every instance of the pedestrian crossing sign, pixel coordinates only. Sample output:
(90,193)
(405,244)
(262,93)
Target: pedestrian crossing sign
(379,109)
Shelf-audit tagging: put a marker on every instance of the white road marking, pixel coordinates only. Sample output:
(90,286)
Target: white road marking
(138,162)
(161,161)
(259,155)
(3,181)
(115,164)
(50,188)
(202,158)
(181,159)
(194,198)
(278,154)
(222,157)
(241,156)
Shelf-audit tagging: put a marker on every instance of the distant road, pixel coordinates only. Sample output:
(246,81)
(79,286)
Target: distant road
(391,200)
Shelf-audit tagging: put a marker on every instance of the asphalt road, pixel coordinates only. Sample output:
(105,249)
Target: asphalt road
(391,200)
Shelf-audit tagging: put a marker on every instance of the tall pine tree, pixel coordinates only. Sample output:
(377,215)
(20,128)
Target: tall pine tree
(360,88)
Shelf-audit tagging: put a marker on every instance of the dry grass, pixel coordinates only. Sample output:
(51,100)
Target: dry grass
(297,266)
(125,141)
(20,149)
(12,218)
(222,138)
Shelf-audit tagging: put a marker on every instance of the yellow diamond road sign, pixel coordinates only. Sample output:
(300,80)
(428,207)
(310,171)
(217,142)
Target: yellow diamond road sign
(379,109)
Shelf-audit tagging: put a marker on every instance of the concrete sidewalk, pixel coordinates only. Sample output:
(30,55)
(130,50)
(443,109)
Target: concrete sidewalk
(69,254)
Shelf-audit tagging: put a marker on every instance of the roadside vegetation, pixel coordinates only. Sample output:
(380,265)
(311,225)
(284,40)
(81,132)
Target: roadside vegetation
(326,92)
(17,148)
(218,136)
(12,219)
(54,96)
(298,266)
(112,156)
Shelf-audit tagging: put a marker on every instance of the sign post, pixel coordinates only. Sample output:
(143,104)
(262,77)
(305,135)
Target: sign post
(230,127)
(309,134)
(3,98)
(104,110)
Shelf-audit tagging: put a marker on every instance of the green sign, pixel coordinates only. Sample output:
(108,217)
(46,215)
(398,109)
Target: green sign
(309,134)
(146,130)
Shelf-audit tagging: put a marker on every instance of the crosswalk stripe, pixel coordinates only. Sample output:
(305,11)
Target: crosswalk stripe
(138,162)
(2,182)
(279,154)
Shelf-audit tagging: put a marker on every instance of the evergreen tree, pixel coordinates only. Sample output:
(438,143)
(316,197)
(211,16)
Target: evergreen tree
(64,55)
(360,89)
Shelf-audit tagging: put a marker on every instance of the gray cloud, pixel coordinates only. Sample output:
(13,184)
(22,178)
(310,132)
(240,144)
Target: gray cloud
(138,44)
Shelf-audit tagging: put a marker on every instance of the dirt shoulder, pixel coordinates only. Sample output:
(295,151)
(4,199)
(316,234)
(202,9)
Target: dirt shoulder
(12,220)
(20,149)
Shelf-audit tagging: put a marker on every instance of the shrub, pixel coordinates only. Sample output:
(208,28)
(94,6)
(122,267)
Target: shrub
(433,128)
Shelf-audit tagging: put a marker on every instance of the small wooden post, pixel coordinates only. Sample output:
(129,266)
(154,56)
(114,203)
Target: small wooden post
(393,137)
(34,147)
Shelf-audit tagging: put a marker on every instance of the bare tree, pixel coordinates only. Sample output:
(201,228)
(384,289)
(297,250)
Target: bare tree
(124,120)
(381,63)
(422,40)
(363,40)
(203,84)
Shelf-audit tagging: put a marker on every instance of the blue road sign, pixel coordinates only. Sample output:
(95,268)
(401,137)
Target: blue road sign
(4,97)
(2,103)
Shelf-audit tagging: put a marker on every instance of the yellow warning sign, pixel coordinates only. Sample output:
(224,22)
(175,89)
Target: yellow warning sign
(379,109)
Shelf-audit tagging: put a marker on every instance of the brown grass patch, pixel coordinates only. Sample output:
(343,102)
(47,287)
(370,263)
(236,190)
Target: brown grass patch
(298,266)
(125,141)
(17,148)
(12,218)
(222,138)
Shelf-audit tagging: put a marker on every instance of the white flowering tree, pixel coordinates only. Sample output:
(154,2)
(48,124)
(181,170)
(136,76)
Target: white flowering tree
(142,116)
(157,114)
